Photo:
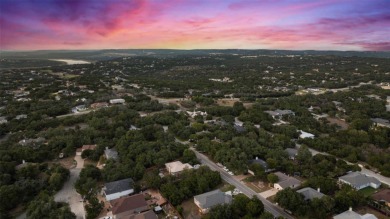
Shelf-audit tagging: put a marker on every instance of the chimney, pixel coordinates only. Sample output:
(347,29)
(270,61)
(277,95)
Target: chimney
(318,190)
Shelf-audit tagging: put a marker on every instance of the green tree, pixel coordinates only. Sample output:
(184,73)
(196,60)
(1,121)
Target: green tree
(289,199)
(44,206)
(255,207)
(272,178)
(93,207)
(304,155)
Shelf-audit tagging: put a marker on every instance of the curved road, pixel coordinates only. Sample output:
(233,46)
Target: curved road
(268,206)
(68,193)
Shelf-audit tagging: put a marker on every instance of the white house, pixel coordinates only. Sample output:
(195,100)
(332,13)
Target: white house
(117,101)
(177,167)
(306,135)
(117,189)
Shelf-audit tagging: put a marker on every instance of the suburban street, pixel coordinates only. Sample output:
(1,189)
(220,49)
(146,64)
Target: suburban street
(68,193)
(268,206)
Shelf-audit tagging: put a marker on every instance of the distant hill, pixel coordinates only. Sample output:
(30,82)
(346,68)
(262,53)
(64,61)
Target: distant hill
(92,55)
(40,58)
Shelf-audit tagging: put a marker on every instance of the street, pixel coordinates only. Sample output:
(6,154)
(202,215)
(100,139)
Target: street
(268,206)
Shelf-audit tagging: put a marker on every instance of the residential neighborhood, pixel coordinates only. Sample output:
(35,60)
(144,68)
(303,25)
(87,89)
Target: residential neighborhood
(145,136)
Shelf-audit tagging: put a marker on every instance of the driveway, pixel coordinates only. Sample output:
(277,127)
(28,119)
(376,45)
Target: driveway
(269,193)
(68,193)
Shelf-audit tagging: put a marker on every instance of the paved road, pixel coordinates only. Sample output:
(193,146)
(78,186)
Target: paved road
(382,179)
(68,193)
(268,206)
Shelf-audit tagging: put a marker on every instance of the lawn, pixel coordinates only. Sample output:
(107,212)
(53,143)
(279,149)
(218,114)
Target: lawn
(368,191)
(257,185)
(227,187)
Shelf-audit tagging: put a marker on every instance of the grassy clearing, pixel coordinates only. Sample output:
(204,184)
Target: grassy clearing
(368,191)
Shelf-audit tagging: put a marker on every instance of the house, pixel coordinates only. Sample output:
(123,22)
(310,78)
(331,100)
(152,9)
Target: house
(111,153)
(85,147)
(21,116)
(278,114)
(79,108)
(310,193)
(176,167)
(292,153)
(208,200)
(381,122)
(145,215)
(286,181)
(239,128)
(350,214)
(117,189)
(262,163)
(359,181)
(196,113)
(32,142)
(117,101)
(128,207)
(382,196)
(304,135)
(99,105)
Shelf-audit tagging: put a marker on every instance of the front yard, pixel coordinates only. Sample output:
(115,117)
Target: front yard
(257,185)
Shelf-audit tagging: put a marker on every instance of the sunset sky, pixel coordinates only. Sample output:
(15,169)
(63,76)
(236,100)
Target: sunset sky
(195,24)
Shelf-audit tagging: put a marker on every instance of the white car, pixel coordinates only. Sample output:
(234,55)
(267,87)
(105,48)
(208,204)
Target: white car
(231,173)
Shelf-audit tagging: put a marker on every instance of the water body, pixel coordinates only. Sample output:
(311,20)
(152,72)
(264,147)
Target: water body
(71,61)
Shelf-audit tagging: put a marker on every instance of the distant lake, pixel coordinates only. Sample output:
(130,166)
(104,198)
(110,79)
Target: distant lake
(71,61)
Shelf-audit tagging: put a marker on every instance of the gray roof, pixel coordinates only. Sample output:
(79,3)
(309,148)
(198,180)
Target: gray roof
(310,193)
(239,128)
(111,153)
(284,112)
(287,181)
(353,215)
(292,152)
(357,179)
(290,182)
(259,161)
(119,186)
(384,122)
(280,112)
(213,198)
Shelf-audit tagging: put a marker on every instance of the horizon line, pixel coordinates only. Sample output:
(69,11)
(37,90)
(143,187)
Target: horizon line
(37,50)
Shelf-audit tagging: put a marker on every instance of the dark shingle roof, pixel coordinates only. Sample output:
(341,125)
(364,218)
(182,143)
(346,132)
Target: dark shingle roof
(310,193)
(119,186)
(292,152)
